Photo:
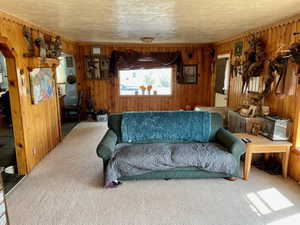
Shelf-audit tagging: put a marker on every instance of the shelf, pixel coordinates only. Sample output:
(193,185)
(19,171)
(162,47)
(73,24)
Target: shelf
(35,62)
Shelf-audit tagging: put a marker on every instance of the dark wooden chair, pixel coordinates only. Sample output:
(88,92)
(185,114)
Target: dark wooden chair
(73,111)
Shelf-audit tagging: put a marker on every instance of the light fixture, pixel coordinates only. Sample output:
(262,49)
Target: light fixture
(147,39)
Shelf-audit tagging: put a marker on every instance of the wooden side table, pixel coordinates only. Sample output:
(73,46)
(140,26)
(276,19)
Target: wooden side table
(260,144)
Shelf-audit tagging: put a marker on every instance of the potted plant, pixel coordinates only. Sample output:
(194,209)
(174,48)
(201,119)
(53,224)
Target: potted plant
(143,89)
(149,87)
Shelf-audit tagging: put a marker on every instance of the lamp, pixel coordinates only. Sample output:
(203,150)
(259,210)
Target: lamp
(147,39)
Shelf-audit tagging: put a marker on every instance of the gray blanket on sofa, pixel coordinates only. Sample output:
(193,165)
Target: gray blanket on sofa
(136,159)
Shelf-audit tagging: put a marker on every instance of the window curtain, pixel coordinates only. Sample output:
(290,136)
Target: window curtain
(136,60)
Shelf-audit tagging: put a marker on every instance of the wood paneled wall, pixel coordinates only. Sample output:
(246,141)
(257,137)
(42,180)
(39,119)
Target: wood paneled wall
(40,127)
(105,93)
(275,36)
(40,130)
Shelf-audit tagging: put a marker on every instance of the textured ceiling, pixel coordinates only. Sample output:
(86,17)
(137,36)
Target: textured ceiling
(189,21)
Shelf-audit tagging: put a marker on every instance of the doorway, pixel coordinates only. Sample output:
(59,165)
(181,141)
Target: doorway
(67,88)
(222,80)
(8,160)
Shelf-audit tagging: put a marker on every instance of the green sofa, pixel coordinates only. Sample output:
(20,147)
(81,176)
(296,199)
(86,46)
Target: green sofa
(218,134)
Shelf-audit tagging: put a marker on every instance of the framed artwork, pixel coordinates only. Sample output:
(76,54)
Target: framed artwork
(97,67)
(92,67)
(69,61)
(41,84)
(104,67)
(238,48)
(190,74)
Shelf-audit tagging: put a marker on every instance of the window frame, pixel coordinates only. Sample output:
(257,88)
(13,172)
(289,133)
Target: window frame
(173,71)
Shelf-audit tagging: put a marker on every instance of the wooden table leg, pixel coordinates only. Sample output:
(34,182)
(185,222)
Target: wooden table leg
(247,166)
(285,162)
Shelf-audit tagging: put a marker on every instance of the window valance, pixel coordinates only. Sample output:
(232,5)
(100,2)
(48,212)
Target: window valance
(136,60)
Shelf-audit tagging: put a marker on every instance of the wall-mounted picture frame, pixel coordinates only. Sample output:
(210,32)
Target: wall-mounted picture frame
(97,67)
(95,50)
(69,61)
(190,74)
(41,84)
(104,67)
(238,48)
(92,64)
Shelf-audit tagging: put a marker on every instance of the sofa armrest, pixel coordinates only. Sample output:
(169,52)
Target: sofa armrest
(232,143)
(106,147)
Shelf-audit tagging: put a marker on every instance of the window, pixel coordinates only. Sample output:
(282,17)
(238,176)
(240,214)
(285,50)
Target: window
(153,81)
(3,73)
(64,71)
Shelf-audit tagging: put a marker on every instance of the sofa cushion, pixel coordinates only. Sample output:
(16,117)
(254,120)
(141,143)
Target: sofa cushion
(216,124)
(115,119)
(136,159)
(114,123)
(170,125)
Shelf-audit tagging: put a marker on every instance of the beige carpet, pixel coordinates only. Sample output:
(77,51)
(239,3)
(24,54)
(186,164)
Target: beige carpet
(66,189)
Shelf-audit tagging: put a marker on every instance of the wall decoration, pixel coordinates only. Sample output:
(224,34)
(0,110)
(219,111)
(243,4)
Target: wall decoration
(190,53)
(97,67)
(41,45)
(48,46)
(54,46)
(236,66)
(255,58)
(104,67)
(69,61)
(95,50)
(283,70)
(71,79)
(41,84)
(294,51)
(190,74)
(27,34)
(238,48)
(92,67)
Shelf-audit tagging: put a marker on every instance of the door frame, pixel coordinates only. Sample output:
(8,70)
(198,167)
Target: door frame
(16,104)
(227,75)
(296,124)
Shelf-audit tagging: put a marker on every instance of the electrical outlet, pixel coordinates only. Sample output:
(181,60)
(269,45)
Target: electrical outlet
(34,151)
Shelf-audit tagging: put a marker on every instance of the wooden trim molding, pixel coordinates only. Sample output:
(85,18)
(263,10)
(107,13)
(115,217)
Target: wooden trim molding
(16,104)
(225,54)
(296,125)
(133,44)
